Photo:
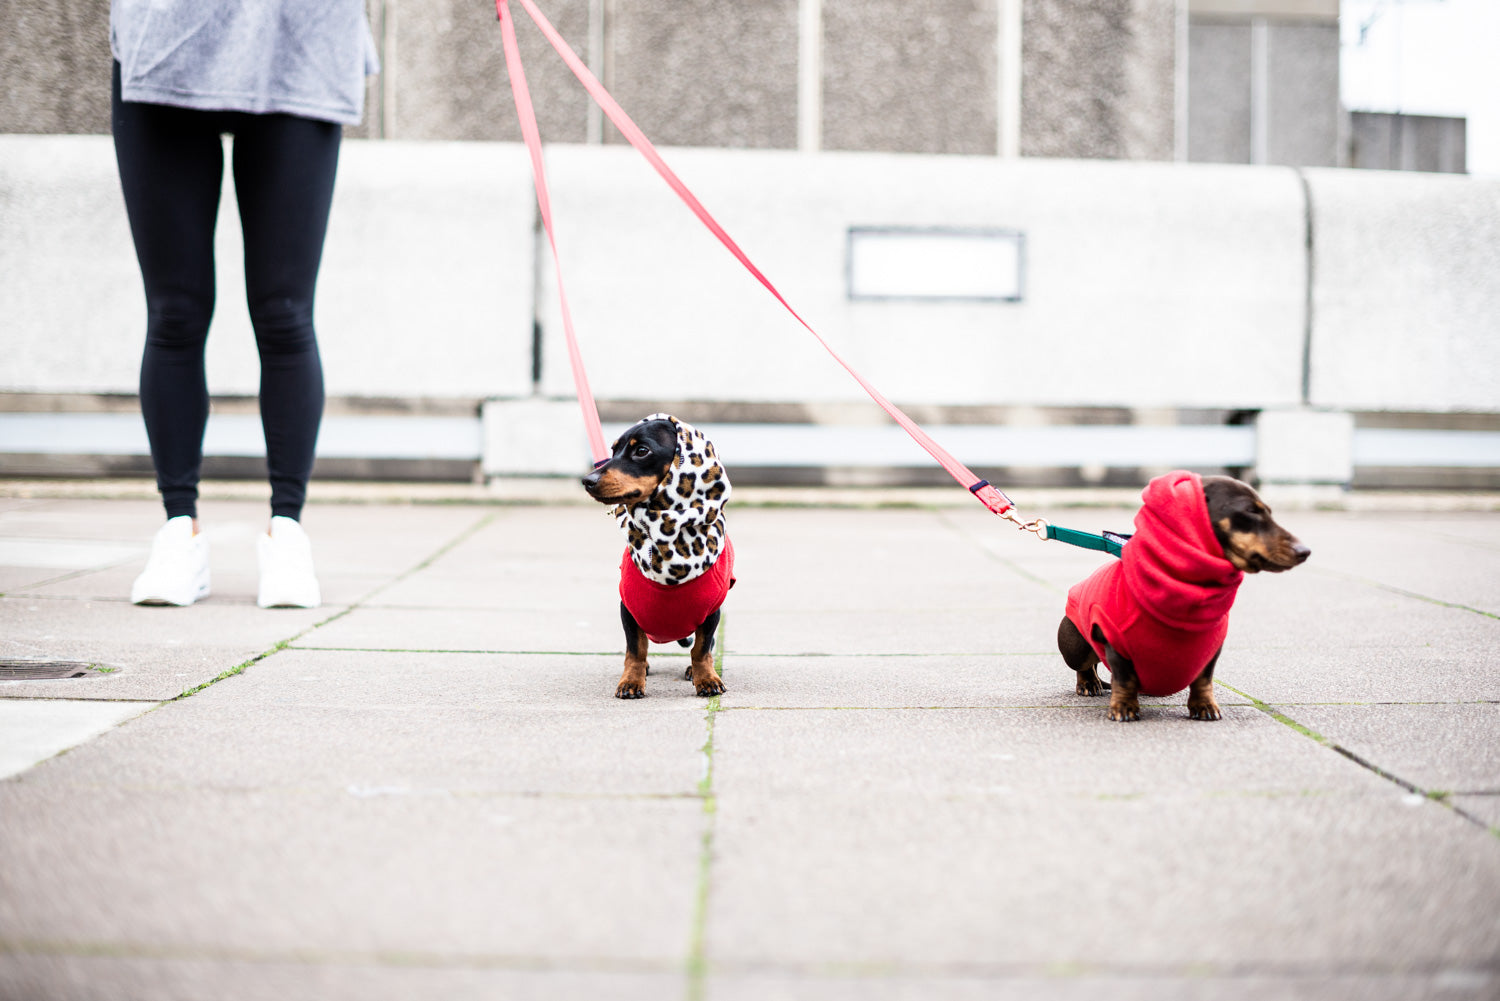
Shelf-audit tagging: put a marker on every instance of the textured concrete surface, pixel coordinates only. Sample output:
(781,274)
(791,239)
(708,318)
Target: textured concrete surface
(448,79)
(1363,305)
(896,77)
(54,67)
(70,286)
(910,77)
(1109,249)
(426,787)
(705,73)
(1219,92)
(1098,79)
(434,283)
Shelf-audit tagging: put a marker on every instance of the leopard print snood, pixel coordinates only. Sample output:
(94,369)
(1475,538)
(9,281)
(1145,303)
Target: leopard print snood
(676,534)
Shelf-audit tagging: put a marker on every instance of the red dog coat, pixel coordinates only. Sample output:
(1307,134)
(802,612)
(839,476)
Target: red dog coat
(670,612)
(1164,605)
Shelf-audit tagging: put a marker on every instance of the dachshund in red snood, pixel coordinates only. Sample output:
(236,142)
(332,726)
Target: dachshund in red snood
(1157,617)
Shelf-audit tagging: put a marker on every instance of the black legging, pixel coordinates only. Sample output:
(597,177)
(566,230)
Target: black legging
(171,168)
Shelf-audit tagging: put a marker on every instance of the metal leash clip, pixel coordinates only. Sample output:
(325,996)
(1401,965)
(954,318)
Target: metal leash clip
(1037,525)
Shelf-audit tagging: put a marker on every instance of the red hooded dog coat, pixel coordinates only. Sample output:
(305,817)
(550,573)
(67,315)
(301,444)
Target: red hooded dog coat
(670,612)
(1164,605)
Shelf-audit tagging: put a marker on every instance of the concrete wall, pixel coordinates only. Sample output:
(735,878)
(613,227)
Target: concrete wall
(1406,291)
(1133,296)
(1100,79)
(1263,91)
(1148,288)
(425,291)
(891,75)
(1144,284)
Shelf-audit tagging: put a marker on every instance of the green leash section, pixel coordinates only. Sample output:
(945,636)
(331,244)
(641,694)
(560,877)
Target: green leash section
(1108,542)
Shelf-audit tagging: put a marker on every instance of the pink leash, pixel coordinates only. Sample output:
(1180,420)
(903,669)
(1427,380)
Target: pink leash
(989,495)
(533,137)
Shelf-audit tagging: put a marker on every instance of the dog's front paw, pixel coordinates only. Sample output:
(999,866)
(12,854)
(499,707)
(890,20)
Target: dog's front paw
(706,681)
(630,690)
(1204,710)
(1123,710)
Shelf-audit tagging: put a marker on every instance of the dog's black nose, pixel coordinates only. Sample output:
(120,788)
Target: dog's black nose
(591,480)
(1301,552)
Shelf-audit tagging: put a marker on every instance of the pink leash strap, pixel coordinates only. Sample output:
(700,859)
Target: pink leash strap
(988,495)
(532,135)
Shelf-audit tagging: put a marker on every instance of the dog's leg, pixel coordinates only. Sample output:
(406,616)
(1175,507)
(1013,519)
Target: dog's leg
(1080,656)
(633,682)
(1201,702)
(701,672)
(1124,702)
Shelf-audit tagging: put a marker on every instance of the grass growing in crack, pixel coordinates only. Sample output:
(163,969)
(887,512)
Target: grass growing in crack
(1279,717)
(236,669)
(697,962)
(1442,797)
(283,644)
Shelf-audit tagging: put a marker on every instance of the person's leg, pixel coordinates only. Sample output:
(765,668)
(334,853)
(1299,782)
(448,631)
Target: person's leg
(284,168)
(171,166)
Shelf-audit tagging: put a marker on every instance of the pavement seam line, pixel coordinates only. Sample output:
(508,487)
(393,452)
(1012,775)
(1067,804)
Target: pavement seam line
(1359,579)
(357,603)
(25,592)
(1442,798)
(967,536)
(697,963)
(328,957)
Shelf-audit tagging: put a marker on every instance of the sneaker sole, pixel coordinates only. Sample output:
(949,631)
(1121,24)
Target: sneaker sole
(157,600)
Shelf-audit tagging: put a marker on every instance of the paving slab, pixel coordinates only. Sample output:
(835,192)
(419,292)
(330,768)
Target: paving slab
(593,630)
(35,730)
(1194,881)
(1484,809)
(1010,754)
(1242,832)
(915,681)
(466,878)
(1451,748)
(398,978)
(1321,611)
(105,553)
(155,652)
(1392,674)
(1013,628)
(1455,984)
(226,740)
(1448,557)
(427,787)
(841,561)
(298,678)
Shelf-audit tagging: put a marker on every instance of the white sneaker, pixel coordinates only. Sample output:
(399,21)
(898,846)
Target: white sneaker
(177,571)
(287,579)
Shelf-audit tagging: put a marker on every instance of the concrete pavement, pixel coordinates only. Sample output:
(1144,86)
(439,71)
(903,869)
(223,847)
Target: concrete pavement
(426,788)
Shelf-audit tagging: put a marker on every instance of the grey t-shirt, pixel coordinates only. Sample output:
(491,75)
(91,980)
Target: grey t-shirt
(300,57)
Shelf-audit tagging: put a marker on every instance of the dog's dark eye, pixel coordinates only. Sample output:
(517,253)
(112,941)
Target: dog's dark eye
(1242,522)
(640,452)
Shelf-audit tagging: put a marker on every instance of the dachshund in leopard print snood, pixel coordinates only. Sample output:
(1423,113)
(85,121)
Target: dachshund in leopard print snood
(666,488)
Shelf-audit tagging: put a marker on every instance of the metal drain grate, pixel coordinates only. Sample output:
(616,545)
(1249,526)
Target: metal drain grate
(47,670)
